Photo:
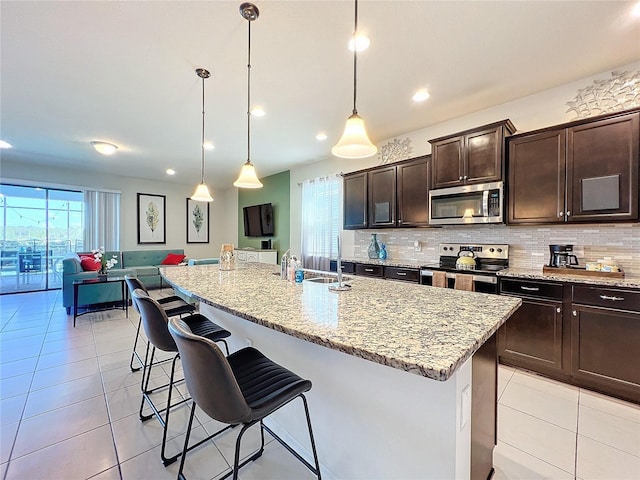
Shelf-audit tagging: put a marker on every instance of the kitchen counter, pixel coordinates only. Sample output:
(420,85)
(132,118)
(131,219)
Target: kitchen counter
(419,329)
(432,415)
(536,274)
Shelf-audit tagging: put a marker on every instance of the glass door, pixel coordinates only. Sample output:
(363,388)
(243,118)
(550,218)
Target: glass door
(38,227)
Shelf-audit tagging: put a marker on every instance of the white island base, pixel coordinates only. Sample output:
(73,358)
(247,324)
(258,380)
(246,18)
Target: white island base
(372,421)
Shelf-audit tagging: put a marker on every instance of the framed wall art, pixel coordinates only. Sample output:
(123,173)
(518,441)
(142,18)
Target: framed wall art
(197,221)
(152,220)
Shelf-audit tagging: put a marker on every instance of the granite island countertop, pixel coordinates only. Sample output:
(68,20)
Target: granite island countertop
(424,330)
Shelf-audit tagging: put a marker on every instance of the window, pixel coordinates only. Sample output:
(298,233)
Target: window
(321,220)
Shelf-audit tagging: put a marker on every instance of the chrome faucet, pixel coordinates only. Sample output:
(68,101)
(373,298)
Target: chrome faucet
(339,264)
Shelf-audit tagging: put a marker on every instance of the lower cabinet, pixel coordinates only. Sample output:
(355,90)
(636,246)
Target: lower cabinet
(593,345)
(605,339)
(381,271)
(532,337)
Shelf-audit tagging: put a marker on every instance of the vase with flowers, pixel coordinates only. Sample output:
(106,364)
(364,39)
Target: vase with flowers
(105,263)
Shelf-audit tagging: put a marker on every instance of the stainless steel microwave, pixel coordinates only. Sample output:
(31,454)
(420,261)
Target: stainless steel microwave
(481,203)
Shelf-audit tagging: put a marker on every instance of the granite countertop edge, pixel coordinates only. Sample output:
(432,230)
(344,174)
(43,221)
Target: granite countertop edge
(537,274)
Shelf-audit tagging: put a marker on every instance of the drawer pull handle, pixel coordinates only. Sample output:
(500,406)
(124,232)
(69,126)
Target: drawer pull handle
(368,269)
(402,274)
(613,299)
(558,310)
(530,289)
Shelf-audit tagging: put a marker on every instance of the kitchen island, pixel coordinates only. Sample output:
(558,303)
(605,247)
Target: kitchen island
(413,420)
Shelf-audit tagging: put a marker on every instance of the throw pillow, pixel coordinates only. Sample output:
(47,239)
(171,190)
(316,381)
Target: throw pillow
(173,259)
(89,264)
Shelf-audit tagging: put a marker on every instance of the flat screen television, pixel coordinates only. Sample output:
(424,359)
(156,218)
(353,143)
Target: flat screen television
(258,220)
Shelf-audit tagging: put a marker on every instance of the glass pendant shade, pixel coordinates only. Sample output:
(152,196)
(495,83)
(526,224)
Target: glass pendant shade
(202,194)
(248,177)
(355,142)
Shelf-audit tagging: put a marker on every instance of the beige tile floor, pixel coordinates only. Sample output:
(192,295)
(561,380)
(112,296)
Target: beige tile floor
(68,410)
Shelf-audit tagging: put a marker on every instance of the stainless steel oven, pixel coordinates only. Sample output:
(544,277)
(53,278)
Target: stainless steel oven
(481,203)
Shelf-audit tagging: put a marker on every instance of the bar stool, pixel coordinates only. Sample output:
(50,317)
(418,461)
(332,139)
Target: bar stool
(173,305)
(154,322)
(244,387)
(439,279)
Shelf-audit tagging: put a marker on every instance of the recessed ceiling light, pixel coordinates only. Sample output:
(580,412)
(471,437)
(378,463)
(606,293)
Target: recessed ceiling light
(636,10)
(208,146)
(361,42)
(104,148)
(171,171)
(4,144)
(321,136)
(421,95)
(258,112)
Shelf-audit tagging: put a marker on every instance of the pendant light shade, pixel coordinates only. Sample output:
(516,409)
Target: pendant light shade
(248,177)
(354,142)
(202,191)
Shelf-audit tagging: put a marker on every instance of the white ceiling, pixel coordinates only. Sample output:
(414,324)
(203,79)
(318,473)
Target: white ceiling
(124,72)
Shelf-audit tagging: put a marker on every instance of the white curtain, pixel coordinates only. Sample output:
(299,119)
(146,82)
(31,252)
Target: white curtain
(101,220)
(321,220)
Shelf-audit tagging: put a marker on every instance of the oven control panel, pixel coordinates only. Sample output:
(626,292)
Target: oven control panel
(493,251)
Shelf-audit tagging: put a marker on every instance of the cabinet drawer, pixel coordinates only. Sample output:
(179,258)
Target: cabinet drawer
(524,288)
(347,267)
(370,270)
(607,297)
(398,273)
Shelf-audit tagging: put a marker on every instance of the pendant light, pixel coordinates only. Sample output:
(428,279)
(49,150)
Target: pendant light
(354,142)
(248,177)
(202,192)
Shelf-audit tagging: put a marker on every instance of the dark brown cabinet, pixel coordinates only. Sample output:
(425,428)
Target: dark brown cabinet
(388,196)
(533,336)
(605,335)
(584,171)
(413,192)
(355,201)
(472,156)
(369,270)
(382,197)
(401,273)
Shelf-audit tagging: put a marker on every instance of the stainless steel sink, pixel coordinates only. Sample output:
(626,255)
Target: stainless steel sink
(322,277)
(322,280)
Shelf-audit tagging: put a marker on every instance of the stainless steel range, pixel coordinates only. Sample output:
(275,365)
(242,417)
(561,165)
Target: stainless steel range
(481,261)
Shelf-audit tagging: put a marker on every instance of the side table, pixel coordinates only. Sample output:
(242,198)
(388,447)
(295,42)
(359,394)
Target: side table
(93,281)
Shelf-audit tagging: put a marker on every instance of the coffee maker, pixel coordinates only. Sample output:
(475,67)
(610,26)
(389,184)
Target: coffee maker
(561,256)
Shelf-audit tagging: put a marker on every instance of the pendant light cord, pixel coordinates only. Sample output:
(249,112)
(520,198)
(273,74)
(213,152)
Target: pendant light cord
(249,95)
(202,143)
(355,58)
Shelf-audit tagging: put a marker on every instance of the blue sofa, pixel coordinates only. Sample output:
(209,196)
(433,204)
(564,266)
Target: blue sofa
(143,264)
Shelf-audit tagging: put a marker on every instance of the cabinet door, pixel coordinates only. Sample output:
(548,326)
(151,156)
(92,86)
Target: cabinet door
(413,193)
(604,348)
(382,197)
(355,201)
(483,158)
(447,162)
(602,170)
(532,337)
(537,178)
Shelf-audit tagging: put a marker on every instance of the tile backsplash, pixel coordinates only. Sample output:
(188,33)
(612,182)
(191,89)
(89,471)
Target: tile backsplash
(528,246)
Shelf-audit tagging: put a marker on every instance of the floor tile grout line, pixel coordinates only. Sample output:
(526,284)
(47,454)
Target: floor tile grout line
(532,455)
(575,462)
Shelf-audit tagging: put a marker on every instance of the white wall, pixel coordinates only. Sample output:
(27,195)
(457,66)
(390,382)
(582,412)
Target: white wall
(222,214)
(536,111)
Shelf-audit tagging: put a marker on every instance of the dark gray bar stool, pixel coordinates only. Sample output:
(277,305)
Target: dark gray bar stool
(154,322)
(173,306)
(244,387)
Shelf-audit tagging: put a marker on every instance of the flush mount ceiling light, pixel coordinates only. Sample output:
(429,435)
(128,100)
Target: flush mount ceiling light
(202,192)
(248,177)
(258,112)
(4,144)
(104,148)
(421,95)
(321,136)
(354,142)
(170,171)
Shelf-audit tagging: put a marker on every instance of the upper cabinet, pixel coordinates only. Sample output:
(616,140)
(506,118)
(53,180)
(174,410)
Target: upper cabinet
(472,156)
(584,171)
(355,201)
(388,196)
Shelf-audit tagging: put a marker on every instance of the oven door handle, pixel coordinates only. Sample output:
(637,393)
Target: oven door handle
(485,203)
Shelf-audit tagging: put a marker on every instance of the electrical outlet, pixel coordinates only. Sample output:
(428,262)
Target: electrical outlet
(249,342)
(417,246)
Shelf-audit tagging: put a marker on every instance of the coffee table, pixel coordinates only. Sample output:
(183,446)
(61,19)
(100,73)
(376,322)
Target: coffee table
(96,281)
